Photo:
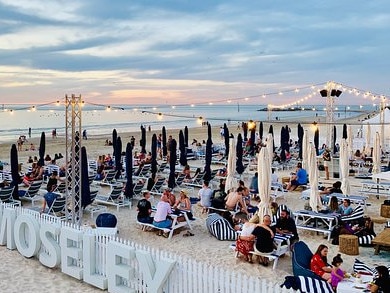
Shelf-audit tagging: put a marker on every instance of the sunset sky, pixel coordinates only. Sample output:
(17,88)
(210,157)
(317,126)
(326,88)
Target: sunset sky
(175,52)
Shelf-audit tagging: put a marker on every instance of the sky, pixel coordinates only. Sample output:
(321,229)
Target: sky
(182,52)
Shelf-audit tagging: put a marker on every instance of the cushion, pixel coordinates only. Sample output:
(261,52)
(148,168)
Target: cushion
(220,227)
(106,220)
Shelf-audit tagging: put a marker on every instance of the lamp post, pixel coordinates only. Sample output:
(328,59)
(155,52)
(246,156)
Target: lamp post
(330,93)
(382,107)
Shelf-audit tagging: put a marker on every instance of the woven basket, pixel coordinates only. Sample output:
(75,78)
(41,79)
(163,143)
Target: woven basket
(349,244)
(385,211)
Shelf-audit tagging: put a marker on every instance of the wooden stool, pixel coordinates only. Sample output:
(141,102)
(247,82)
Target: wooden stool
(379,220)
(385,211)
(349,244)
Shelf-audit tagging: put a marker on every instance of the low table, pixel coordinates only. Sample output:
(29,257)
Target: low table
(309,220)
(382,241)
(354,285)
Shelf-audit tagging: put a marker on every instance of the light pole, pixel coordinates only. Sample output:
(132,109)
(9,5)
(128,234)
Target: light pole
(330,93)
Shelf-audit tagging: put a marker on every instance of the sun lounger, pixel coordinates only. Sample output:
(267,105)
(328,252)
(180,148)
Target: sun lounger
(32,192)
(114,198)
(6,196)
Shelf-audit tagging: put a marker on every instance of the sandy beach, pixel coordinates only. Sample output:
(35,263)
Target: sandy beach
(34,277)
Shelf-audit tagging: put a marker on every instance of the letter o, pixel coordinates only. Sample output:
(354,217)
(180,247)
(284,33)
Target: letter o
(26,233)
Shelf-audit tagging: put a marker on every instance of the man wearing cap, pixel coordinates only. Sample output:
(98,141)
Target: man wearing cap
(144,209)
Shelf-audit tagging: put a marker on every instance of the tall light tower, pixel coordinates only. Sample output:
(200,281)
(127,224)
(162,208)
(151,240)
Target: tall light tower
(73,157)
(382,107)
(330,93)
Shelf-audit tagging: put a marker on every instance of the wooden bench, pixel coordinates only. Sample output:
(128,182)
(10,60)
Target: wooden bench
(382,241)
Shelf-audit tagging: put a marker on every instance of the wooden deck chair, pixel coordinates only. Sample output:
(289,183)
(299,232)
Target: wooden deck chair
(58,207)
(93,207)
(6,196)
(162,167)
(143,173)
(114,198)
(32,192)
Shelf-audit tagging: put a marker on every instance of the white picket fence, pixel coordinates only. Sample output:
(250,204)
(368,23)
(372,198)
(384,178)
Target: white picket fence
(188,275)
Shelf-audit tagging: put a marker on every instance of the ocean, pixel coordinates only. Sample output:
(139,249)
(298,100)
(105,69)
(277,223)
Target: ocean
(97,120)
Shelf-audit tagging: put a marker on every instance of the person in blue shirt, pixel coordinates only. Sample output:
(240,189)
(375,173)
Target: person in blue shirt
(300,178)
(345,208)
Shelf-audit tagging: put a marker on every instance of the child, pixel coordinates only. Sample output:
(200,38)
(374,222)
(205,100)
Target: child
(337,273)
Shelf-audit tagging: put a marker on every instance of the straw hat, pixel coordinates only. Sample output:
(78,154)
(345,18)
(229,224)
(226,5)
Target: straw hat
(185,192)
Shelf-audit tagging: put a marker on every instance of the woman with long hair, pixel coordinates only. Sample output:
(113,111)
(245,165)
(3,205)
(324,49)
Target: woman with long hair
(319,263)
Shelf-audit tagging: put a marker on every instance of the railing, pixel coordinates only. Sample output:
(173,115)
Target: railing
(187,276)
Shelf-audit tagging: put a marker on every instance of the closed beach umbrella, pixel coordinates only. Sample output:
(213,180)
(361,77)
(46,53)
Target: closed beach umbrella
(182,148)
(164,142)
(118,154)
(226,137)
(85,189)
(231,168)
(350,142)
(287,131)
(317,139)
(367,148)
(186,136)
(313,178)
(15,171)
(345,131)
(376,154)
(143,140)
(305,147)
(172,164)
(129,171)
(209,133)
(154,156)
(252,145)
(245,130)
(282,138)
(42,147)
(344,167)
(264,182)
(114,138)
(239,153)
(271,131)
(208,157)
(261,130)
(270,145)
(300,139)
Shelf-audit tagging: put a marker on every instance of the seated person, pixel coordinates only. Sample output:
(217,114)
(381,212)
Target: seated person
(345,208)
(286,225)
(170,196)
(382,282)
(319,264)
(187,172)
(163,210)
(48,200)
(336,188)
(222,172)
(264,235)
(53,181)
(218,201)
(334,205)
(205,195)
(300,178)
(47,158)
(235,198)
(144,209)
(183,204)
(245,241)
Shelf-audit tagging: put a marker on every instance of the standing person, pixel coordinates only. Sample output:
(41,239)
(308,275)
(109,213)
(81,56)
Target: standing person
(132,141)
(205,195)
(85,134)
(319,263)
(29,132)
(382,282)
(144,208)
(326,157)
